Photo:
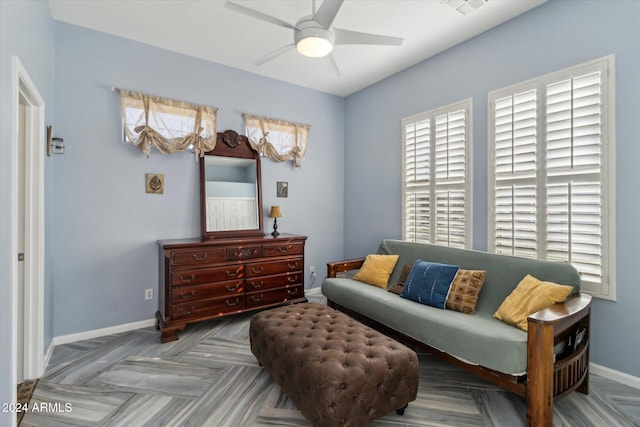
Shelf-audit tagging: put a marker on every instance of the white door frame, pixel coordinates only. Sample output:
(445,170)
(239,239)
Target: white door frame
(22,85)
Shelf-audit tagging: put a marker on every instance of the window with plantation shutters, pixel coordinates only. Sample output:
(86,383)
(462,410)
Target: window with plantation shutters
(436,197)
(551,187)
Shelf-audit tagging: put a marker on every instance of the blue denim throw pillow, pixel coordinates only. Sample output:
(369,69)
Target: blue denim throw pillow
(429,283)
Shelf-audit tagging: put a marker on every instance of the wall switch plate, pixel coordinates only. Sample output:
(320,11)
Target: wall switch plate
(148,294)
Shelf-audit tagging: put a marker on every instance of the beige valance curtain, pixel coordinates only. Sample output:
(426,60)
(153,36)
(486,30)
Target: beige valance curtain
(168,125)
(277,139)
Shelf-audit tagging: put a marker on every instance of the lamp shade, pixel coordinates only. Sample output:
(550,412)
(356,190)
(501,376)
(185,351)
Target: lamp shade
(275,212)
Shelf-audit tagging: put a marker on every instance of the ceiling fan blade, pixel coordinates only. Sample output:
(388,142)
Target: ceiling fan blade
(273,54)
(327,12)
(258,15)
(334,64)
(355,37)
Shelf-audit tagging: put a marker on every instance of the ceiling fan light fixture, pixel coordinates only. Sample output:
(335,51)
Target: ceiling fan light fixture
(314,47)
(313,41)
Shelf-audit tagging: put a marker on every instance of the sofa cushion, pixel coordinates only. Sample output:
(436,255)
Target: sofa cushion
(531,295)
(376,270)
(429,283)
(465,290)
(480,340)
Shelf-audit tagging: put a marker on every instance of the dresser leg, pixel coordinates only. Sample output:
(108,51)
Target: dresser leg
(171,333)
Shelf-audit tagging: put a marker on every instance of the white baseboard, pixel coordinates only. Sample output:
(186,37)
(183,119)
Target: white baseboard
(614,375)
(66,339)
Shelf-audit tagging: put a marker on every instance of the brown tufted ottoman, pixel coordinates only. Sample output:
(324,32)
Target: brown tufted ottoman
(337,371)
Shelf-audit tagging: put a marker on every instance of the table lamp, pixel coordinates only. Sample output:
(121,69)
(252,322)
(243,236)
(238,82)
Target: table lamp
(275,214)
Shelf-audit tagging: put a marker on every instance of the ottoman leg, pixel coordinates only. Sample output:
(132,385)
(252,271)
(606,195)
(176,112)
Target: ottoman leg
(401,410)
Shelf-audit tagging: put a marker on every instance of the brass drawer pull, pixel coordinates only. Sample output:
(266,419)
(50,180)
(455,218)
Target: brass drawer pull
(292,279)
(283,249)
(256,286)
(260,270)
(245,253)
(200,257)
(188,279)
(231,304)
(234,273)
(292,266)
(189,295)
(193,308)
(258,299)
(230,289)
(292,291)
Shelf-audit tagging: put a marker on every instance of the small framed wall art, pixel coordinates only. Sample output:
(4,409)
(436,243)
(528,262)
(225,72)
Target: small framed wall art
(155,183)
(282,189)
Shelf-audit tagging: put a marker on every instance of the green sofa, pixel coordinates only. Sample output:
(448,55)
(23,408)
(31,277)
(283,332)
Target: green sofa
(526,363)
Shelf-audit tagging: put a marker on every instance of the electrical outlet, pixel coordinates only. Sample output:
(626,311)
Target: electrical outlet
(148,294)
(312,270)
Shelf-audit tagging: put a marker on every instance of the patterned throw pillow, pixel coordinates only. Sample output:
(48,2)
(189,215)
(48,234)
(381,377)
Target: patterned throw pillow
(397,288)
(429,283)
(465,289)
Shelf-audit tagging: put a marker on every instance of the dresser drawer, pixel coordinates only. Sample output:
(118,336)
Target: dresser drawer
(207,307)
(274,296)
(197,256)
(282,249)
(244,252)
(266,268)
(187,277)
(184,294)
(269,282)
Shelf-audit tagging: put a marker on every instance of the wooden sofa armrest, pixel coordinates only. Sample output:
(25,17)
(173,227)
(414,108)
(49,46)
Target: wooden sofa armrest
(564,314)
(333,268)
(548,378)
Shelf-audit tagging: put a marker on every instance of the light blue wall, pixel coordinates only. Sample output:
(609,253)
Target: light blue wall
(26,31)
(107,226)
(553,36)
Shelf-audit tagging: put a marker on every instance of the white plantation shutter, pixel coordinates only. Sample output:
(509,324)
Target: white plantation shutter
(551,187)
(574,227)
(417,167)
(573,151)
(436,176)
(450,218)
(515,160)
(516,220)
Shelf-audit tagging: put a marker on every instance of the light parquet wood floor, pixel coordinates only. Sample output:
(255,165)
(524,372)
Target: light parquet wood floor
(210,378)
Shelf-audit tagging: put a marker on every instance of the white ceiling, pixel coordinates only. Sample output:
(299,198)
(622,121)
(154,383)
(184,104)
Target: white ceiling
(206,29)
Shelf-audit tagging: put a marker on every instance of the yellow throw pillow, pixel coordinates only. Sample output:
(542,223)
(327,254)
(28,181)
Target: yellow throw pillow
(376,270)
(530,296)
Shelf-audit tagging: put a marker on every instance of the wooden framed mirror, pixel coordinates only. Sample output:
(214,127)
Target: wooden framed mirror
(230,189)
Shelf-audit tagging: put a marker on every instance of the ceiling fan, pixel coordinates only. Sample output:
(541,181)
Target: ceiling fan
(313,35)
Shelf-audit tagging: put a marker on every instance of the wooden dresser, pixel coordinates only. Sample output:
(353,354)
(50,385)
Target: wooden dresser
(206,278)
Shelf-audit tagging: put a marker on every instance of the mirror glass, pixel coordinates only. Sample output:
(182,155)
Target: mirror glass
(231,192)
(230,189)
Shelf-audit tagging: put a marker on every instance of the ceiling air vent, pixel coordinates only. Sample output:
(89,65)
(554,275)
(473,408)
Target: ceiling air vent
(465,7)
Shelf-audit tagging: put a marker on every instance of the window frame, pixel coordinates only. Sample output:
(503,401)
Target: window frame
(606,289)
(431,115)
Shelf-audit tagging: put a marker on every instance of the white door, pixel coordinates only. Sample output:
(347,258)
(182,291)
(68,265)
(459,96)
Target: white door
(27,237)
(21,220)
